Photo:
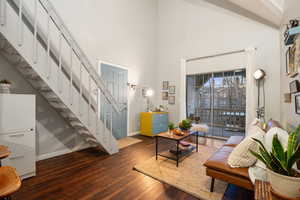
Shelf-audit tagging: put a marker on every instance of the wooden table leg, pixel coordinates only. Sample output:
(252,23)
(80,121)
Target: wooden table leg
(197,141)
(177,154)
(156,147)
(212,184)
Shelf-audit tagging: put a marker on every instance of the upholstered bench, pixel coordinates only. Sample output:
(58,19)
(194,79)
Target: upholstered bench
(217,167)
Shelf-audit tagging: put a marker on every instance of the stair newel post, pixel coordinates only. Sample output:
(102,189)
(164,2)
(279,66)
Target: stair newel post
(35,50)
(59,69)
(48,45)
(71,76)
(89,107)
(97,109)
(104,121)
(3,4)
(111,127)
(60,65)
(80,89)
(20,25)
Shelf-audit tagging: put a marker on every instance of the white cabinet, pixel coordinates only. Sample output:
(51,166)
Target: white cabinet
(22,147)
(17,131)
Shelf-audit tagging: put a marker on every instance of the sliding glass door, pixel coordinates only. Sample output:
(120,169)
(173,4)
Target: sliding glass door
(218,100)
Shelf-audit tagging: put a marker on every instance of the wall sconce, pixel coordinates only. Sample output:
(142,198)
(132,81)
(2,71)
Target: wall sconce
(132,86)
(147,92)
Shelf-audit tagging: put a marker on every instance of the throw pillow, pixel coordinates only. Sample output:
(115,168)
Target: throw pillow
(241,156)
(253,129)
(282,135)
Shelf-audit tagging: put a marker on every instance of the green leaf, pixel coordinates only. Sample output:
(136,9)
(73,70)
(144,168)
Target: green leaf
(277,165)
(294,158)
(291,144)
(266,156)
(259,157)
(278,150)
(260,143)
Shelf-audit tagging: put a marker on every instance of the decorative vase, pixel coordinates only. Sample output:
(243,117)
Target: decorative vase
(284,185)
(5,88)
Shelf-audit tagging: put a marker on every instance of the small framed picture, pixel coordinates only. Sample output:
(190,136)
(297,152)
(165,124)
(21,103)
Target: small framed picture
(165,85)
(292,65)
(165,96)
(287,98)
(171,89)
(297,104)
(294,87)
(171,100)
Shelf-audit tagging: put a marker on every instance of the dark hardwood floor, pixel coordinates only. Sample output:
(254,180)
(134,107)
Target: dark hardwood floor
(90,174)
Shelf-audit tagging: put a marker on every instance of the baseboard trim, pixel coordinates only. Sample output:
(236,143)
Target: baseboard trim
(53,154)
(65,151)
(59,153)
(134,133)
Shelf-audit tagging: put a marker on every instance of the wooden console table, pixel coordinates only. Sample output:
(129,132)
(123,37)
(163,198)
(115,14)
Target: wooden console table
(263,192)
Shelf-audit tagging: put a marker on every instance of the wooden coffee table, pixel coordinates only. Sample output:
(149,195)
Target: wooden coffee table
(172,137)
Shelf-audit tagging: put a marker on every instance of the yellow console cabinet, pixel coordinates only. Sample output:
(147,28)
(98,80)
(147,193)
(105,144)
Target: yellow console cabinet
(153,123)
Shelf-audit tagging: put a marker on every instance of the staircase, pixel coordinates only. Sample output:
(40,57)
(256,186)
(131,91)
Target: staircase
(35,40)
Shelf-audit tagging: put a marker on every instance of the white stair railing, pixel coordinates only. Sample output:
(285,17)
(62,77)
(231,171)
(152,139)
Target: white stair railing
(60,63)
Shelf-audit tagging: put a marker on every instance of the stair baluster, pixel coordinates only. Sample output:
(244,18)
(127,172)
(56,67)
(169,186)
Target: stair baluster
(3,11)
(35,45)
(48,46)
(20,25)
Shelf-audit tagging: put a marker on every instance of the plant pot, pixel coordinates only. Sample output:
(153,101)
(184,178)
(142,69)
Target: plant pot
(5,88)
(284,185)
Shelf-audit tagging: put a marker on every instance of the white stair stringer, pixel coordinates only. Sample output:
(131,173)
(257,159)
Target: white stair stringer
(63,96)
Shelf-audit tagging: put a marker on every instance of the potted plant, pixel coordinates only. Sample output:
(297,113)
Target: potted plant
(280,162)
(171,127)
(5,86)
(185,124)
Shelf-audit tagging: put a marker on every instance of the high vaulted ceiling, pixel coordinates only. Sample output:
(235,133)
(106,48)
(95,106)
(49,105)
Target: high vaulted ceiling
(270,12)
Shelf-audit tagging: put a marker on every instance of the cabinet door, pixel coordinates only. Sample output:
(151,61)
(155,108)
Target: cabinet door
(17,113)
(22,147)
(160,123)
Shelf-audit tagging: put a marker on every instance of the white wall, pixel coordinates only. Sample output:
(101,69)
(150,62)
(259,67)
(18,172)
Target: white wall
(288,115)
(192,28)
(119,32)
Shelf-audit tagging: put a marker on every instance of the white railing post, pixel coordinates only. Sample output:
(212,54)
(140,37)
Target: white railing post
(71,76)
(80,89)
(89,108)
(20,24)
(35,44)
(97,110)
(111,127)
(48,46)
(3,12)
(104,122)
(59,75)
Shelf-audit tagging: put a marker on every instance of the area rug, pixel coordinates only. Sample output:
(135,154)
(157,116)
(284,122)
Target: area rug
(125,142)
(189,177)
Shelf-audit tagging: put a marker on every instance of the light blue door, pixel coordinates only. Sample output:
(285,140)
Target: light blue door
(116,80)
